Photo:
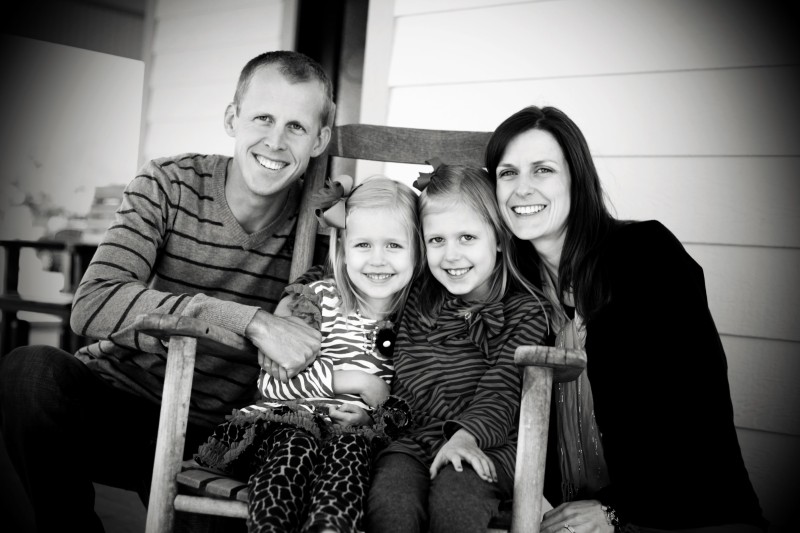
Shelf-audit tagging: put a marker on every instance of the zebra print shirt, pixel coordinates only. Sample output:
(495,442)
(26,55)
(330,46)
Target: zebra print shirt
(346,345)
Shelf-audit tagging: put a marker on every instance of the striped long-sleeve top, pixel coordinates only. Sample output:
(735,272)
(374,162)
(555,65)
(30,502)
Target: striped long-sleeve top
(175,247)
(348,343)
(459,373)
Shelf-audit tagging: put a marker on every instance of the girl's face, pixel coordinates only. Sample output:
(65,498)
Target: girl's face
(461,248)
(533,184)
(378,255)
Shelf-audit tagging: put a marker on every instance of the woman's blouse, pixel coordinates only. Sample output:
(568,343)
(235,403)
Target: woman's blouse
(459,372)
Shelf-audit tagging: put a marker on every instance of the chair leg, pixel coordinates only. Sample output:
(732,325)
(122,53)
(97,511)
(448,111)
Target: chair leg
(171,434)
(533,428)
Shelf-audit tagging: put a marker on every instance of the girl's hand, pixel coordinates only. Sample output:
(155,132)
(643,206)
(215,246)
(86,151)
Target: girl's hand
(372,389)
(582,516)
(462,447)
(349,415)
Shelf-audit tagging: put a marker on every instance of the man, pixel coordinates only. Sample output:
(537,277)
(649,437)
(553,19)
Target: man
(196,235)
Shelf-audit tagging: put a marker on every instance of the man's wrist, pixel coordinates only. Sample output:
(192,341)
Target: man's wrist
(257,326)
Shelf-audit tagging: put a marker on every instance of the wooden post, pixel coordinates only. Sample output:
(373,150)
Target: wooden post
(533,428)
(171,433)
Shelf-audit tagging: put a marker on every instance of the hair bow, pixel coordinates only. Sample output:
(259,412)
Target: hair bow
(329,202)
(424,178)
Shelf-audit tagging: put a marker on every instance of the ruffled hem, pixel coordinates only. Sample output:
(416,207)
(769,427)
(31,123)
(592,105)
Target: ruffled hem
(304,303)
(235,442)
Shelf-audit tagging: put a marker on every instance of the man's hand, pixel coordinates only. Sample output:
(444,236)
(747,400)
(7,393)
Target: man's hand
(463,447)
(288,342)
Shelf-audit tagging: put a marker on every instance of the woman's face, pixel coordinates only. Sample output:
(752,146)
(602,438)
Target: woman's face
(533,184)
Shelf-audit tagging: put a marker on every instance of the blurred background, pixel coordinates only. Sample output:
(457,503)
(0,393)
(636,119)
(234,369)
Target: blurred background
(689,106)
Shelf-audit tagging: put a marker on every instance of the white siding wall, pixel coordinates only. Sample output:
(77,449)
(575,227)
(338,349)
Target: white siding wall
(196,50)
(690,108)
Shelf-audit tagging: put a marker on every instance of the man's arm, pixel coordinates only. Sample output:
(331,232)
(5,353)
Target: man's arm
(115,288)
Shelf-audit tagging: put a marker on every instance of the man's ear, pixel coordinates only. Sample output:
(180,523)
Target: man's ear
(230,120)
(323,139)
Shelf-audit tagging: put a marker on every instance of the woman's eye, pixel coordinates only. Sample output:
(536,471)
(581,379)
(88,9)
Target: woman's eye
(544,170)
(506,173)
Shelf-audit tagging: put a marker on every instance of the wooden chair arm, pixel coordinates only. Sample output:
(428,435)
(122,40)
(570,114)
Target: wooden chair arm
(211,339)
(542,366)
(567,363)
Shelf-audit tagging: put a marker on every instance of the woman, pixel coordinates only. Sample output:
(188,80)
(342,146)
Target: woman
(645,437)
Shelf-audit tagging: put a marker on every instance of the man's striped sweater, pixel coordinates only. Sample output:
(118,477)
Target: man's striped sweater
(175,247)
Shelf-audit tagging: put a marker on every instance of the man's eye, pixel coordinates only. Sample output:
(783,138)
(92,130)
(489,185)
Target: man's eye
(297,128)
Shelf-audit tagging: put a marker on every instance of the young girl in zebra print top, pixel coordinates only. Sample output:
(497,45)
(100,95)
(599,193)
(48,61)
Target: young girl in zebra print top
(454,365)
(306,446)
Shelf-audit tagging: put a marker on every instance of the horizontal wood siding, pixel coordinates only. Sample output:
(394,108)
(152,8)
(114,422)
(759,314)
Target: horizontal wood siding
(197,51)
(690,109)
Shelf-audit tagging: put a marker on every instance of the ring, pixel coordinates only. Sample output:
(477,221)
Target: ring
(569,528)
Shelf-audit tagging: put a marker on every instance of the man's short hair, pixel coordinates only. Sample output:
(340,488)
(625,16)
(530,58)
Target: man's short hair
(297,68)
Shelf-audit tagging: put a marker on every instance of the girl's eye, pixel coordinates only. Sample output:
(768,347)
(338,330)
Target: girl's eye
(393,245)
(468,238)
(435,240)
(361,245)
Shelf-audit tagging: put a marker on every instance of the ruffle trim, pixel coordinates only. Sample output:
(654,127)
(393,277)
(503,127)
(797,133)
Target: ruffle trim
(304,303)
(235,442)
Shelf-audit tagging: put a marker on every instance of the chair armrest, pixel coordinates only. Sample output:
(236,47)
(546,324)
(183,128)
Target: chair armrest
(211,339)
(567,363)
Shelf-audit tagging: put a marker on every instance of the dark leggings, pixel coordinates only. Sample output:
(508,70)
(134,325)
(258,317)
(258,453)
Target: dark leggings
(307,485)
(403,498)
(64,427)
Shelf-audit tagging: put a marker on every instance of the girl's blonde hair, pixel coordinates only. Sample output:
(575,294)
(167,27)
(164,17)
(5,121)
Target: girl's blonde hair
(470,186)
(394,199)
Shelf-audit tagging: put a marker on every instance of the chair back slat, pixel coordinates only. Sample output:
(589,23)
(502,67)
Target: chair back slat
(408,145)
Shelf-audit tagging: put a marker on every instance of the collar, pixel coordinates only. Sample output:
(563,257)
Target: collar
(479,325)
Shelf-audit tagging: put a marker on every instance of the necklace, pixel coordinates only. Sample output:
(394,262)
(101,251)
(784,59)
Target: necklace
(381,336)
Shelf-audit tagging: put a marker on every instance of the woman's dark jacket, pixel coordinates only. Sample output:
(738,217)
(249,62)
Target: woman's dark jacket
(659,378)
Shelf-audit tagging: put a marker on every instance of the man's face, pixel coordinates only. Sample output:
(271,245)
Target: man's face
(277,130)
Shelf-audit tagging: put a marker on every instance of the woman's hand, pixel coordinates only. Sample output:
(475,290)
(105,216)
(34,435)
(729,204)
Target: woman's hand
(463,447)
(582,516)
(349,415)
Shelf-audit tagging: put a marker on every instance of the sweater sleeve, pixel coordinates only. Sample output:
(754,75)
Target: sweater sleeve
(114,290)
(492,415)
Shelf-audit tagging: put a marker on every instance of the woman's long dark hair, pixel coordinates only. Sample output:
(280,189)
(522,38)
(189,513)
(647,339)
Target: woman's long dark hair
(589,221)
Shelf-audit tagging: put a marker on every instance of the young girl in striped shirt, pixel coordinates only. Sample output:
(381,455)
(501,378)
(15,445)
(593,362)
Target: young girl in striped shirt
(307,444)
(454,365)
